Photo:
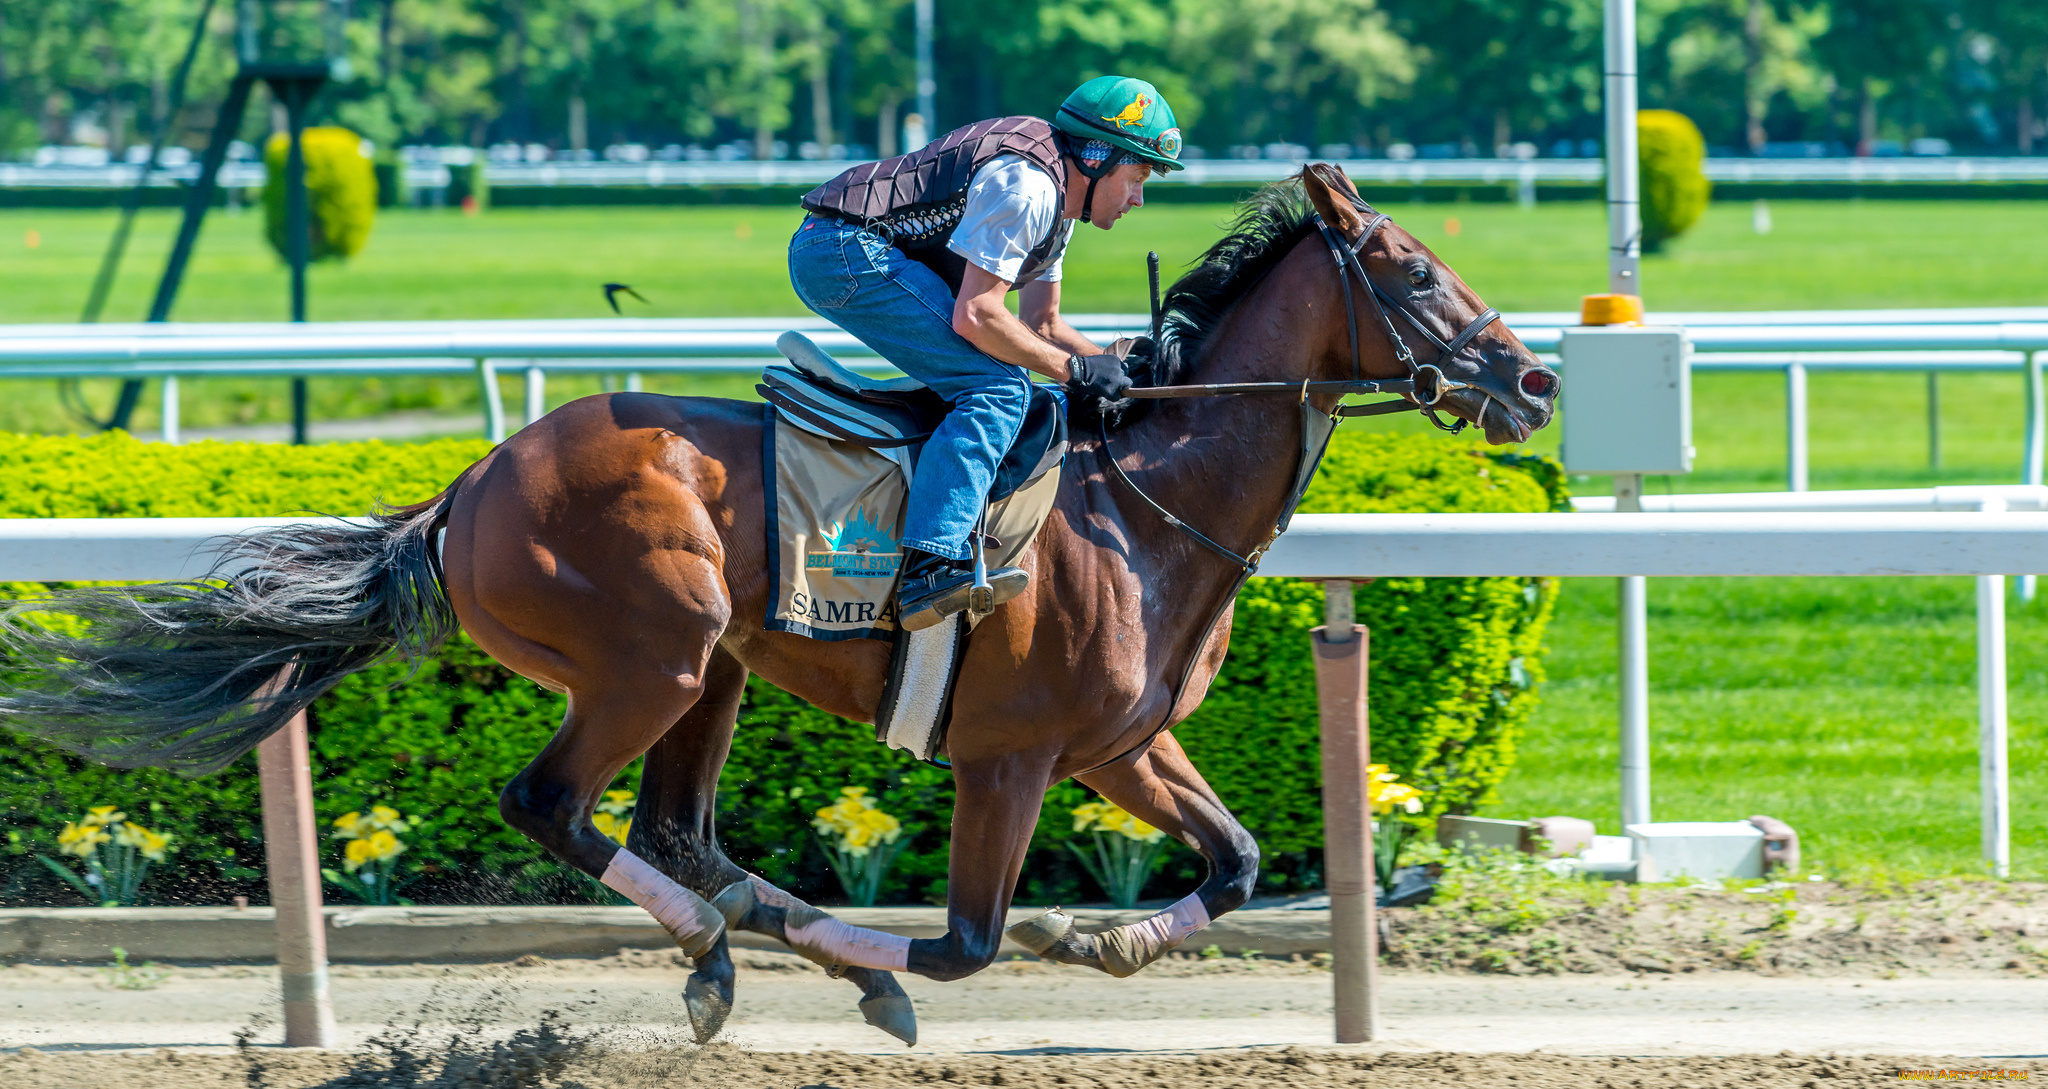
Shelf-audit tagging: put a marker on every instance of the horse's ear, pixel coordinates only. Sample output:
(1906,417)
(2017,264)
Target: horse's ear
(1333,194)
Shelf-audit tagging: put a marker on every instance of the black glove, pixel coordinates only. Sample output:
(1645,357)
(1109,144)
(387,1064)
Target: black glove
(1097,376)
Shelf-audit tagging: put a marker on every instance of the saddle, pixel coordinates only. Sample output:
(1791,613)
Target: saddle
(892,415)
(841,452)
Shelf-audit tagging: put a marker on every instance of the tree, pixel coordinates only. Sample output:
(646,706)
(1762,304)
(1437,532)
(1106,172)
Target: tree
(1875,46)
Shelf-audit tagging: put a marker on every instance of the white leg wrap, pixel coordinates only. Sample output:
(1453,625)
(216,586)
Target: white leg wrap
(829,941)
(694,923)
(1128,948)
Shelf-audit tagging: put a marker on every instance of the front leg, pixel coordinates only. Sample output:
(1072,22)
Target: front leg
(996,801)
(1162,788)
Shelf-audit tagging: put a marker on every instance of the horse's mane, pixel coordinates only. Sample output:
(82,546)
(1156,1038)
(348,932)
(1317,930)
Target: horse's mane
(1271,221)
(1267,226)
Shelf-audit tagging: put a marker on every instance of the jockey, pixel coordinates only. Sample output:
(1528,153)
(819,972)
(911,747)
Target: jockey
(916,256)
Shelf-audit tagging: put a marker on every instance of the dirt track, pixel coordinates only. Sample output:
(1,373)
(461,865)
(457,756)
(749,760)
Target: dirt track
(1188,1021)
(725,1067)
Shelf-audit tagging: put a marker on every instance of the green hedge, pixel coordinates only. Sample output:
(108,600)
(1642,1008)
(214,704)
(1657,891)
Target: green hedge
(341,193)
(1455,665)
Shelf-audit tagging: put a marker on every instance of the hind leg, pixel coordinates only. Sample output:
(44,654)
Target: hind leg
(551,801)
(1162,788)
(674,830)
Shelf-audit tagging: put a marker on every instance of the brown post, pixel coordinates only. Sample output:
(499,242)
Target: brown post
(1341,649)
(286,773)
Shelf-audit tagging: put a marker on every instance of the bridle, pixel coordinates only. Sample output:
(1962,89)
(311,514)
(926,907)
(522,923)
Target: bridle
(1424,388)
(1346,255)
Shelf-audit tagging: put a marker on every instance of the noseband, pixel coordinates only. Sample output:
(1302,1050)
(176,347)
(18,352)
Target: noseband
(1429,382)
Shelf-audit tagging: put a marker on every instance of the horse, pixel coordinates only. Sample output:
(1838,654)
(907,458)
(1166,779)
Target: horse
(615,551)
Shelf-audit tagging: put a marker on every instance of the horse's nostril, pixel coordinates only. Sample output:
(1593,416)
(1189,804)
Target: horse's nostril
(1539,383)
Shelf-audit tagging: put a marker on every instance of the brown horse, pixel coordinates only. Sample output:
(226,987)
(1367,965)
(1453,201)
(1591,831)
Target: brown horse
(615,551)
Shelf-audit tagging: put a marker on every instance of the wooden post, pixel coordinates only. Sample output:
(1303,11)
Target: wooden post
(285,770)
(1341,648)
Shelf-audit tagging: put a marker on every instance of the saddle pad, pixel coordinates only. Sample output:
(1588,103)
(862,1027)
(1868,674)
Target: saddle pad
(835,523)
(919,696)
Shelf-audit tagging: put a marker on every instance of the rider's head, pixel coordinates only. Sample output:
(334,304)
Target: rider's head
(1118,132)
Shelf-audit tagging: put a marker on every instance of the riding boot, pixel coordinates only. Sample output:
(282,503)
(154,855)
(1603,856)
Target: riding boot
(935,587)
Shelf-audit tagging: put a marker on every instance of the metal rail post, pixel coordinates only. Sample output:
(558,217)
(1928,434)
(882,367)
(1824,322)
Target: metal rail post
(1934,421)
(1341,649)
(2037,440)
(1624,209)
(494,400)
(536,394)
(1795,427)
(1632,618)
(285,771)
(1993,779)
(171,431)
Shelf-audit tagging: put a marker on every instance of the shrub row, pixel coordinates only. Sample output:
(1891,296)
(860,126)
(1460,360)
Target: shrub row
(1456,663)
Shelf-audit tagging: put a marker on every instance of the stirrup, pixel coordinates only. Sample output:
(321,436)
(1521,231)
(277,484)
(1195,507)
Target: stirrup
(953,593)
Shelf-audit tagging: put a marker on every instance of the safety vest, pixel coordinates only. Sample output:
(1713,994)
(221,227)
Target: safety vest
(916,200)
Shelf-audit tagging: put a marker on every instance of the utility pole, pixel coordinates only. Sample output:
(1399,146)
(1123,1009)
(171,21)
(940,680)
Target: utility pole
(927,84)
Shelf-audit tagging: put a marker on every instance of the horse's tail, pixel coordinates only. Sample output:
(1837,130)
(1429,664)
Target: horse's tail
(191,675)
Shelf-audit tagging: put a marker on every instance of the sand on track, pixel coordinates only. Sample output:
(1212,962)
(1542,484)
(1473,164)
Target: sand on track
(1026,1023)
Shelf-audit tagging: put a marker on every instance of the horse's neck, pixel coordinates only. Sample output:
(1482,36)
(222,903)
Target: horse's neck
(1224,465)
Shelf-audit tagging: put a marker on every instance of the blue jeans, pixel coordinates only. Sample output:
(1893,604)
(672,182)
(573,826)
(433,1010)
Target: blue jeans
(904,311)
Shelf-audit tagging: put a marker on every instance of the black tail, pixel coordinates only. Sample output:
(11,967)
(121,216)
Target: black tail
(191,675)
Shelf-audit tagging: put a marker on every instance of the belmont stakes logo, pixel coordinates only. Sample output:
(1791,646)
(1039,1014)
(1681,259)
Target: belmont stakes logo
(859,549)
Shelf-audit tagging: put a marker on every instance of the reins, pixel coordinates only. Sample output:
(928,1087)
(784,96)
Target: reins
(1345,256)
(1417,398)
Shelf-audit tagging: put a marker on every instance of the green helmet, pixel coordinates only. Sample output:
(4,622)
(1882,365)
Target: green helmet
(1128,115)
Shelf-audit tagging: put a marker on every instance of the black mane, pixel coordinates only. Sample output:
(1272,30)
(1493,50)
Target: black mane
(1272,220)
(1268,225)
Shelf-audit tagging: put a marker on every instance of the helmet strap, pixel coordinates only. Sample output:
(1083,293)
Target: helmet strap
(1112,157)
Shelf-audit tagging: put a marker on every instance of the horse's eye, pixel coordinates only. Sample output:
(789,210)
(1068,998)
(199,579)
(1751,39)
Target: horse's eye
(1419,276)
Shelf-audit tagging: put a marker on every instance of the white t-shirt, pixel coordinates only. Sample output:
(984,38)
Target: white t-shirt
(1011,204)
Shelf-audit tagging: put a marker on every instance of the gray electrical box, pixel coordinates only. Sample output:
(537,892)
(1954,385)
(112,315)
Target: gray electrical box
(1627,399)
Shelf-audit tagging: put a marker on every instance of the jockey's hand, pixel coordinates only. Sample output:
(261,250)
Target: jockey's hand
(1097,376)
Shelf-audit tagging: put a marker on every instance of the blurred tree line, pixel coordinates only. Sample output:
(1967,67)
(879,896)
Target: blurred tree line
(1454,76)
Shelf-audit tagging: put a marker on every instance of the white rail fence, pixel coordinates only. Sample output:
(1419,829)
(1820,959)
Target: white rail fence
(1794,342)
(1521,172)
(1335,549)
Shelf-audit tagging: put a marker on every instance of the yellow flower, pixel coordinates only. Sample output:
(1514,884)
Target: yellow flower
(617,802)
(376,847)
(855,823)
(151,844)
(387,818)
(1385,792)
(1107,816)
(81,839)
(612,828)
(102,815)
(350,826)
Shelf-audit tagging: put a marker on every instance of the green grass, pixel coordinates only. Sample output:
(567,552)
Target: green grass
(1846,707)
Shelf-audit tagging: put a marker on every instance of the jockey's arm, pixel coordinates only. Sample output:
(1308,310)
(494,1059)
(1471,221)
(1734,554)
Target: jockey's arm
(1038,305)
(1043,345)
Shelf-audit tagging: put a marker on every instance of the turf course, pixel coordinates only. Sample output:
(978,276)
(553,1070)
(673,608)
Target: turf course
(1846,707)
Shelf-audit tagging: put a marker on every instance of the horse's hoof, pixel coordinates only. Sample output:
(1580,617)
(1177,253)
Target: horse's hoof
(709,1002)
(892,1014)
(1041,932)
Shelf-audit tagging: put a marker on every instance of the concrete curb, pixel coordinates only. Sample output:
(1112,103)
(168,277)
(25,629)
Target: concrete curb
(404,935)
